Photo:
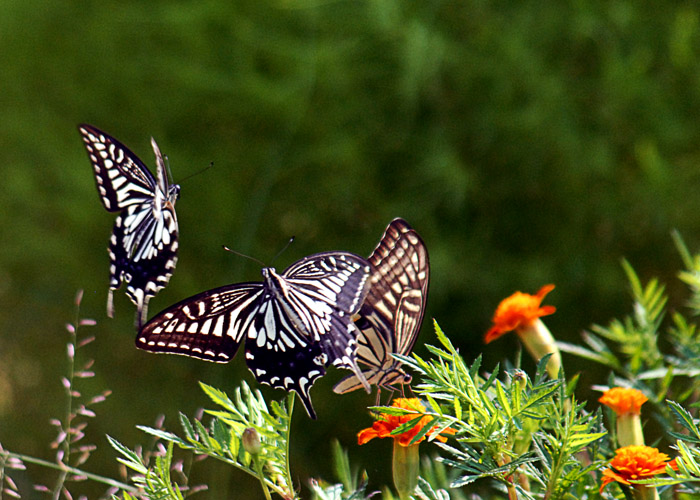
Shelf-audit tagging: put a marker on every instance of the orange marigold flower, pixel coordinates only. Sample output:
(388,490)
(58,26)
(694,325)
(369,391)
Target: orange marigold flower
(386,424)
(636,462)
(518,311)
(624,400)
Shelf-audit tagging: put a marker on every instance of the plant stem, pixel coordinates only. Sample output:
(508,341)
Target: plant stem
(261,477)
(66,423)
(72,470)
(288,469)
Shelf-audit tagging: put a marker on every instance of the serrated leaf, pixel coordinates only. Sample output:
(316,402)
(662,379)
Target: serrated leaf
(187,428)
(458,408)
(581,440)
(218,397)
(503,400)
(164,435)
(423,431)
(131,459)
(684,418)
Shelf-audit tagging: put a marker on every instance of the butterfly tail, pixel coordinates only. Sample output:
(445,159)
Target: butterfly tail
(110,303)
(341,348)
(306,401)
(359,378)
(141,315)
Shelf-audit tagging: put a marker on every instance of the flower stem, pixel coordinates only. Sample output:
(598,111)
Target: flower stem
(405,464)
(261,477)
(642,492)
(288,469)
(72,470)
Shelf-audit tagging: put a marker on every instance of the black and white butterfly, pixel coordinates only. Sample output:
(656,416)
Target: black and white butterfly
(392,313)
(293,324)
(144,241)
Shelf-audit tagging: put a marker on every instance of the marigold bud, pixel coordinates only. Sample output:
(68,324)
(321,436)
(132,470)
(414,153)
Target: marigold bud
(251,441)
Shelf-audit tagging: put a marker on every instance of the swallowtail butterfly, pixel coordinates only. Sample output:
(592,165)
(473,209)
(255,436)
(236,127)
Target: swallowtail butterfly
(293,324)
(392,313)
(143,245)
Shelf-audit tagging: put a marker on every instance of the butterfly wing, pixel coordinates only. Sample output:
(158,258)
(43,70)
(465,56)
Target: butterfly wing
(121,177)
(143,254)
(212,325)
(279,355)
(144,241)
(392,313)
(323,292)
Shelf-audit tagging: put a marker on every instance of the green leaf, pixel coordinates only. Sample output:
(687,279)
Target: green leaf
(164,435)
(190,435)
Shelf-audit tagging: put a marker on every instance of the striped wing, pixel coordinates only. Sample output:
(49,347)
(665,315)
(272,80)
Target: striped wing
(392,313)
(213,324)
(293,325)
(143,245)
(122,178)
(209,326)
(324,292)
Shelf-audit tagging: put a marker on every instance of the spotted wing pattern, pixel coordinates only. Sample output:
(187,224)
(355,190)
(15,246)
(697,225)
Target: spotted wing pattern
(293,324)
(392,313)
(144,241)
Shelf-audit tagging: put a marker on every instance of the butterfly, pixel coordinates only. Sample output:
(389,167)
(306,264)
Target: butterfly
(293,324)
(144,241)
(390,318)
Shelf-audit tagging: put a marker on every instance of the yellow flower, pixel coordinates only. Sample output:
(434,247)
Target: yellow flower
(518,312)
(386,424)
(624,400)
(636,462)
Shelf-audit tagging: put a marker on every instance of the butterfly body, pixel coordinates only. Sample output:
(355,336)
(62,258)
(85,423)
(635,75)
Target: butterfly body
(293,324)
(144,242)
(390,318)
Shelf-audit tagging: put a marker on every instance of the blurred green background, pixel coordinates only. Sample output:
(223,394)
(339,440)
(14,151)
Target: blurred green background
(527,142)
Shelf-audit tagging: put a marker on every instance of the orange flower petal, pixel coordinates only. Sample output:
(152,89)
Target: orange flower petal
(386,424)
(624,400)
(519,311)
(636,462)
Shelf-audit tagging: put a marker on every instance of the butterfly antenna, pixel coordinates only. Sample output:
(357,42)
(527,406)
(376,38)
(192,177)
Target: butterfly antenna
(244,255)
(283,249)
(200,171)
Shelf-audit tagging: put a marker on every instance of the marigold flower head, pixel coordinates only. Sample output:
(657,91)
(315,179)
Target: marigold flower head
(386,424)
(636,462)
(623,400)
(518,311)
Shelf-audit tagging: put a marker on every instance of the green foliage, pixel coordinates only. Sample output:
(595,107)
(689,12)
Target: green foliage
(156,482)
(509,428)
(222,438)
(527,436)
(527,142)
(635,336)
(71,450)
